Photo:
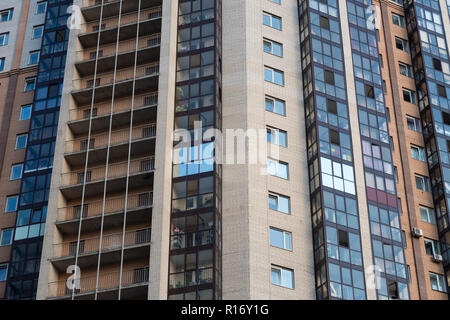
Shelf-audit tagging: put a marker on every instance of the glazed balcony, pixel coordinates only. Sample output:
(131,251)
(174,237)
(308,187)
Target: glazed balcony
(91,9)
(134,285)
(139,171)
(144,110)
(148,49)
(136,245)
(149,23)
(139,209)
(142,142)
(146,79)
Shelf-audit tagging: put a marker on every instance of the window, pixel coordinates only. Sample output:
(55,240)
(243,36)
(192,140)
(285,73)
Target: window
(427,215)
(282,277)
(21,141)
(33,57)
(16,171)
(25,112)
(279,203)
(276,1)
(392,289)
(413,124)
(11,203)
(405,69)
(278,169)
(398,20)
(280,239)
(324,23)
(3,272)
(41,7)
(437,282)
(437,65)
(273,47)
(271,21)
(418,153)
(274,76)
(2,64)
(441,91)
(30,84)
(329,77)
(401,44)
(422,183)
(277,136)
(6,237)
(4,37)
(37,32)
(409,96)
(431,247)
(275,106)
(6,15)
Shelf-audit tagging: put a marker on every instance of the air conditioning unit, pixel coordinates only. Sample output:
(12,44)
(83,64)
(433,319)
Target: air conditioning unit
(417,233)
(437,257)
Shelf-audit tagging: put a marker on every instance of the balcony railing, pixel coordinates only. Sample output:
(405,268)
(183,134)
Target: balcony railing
(115,204)
(191,278)
(120,105)
(124,46)
(110,242)
(121,75)
(106,281)
(115,170)
(125,19)
(118,136)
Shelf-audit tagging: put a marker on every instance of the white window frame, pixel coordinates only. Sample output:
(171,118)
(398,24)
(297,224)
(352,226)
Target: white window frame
(412,95)
(272,72)
(31,55)
(17,139)
(41,27)
(277,164)
(430,214)
(404,42)
(2,235)
(434,246)
(10,12)
(4,39)
(407,69)
(425,182)
(275,136)
(280,271)
(271,17)
(417,125)
(440,281)
(11,178)
(6,203)
(399,18)
(27,81)
(22,111)
(274,100)
(37,7)
(278,196)
(287,238)
(272,43)
(420,151)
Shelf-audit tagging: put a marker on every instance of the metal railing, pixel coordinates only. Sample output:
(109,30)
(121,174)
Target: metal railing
(91,3)
(115,170)
(110,242)
(114,204)
(117,137)
(122,75)
(120,105)
(124,46)
(106,281)
(191,278)
(125,19)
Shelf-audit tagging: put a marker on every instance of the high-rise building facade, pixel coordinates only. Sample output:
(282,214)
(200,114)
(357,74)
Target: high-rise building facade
(209,149)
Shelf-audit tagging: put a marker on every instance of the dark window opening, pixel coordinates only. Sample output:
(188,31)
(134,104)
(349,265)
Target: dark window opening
(369,91)
(332,106)
(334,137)
(324,23)
(437,64)
(446,118)
(392,289)
(343,238)
(329,77)
(441,91)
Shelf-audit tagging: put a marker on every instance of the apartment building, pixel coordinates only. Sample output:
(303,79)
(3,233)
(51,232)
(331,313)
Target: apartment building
(21,31)
(113,192)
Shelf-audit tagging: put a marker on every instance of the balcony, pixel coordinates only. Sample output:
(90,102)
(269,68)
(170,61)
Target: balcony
(199,277)
(91,8)
(140,174)
(144,110)
(142,140)
(145,79)
(139,210)
(147,51)
(149,23)
(136,245)
(134,286)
